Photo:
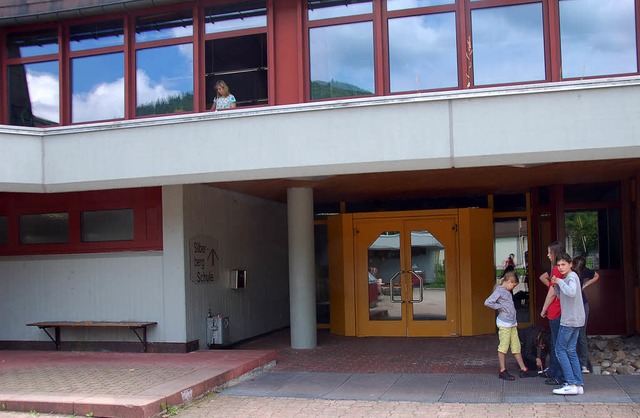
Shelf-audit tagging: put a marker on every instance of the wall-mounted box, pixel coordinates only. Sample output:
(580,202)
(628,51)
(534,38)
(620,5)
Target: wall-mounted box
(238,279)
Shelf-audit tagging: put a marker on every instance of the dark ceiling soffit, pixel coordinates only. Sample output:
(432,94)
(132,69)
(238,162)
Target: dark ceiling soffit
(9,18)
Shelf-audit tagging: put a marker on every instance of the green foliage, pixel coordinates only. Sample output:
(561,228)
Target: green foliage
(168,410)
(90,414)
(170,104)
(334,89)
(440,279)
(582,228)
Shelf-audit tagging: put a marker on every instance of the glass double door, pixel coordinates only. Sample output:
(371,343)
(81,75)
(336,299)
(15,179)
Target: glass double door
(406,276)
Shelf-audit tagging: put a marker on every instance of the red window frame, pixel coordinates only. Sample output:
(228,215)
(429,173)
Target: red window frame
(147,219)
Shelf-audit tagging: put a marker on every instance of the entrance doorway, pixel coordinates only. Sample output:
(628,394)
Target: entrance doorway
(406,276)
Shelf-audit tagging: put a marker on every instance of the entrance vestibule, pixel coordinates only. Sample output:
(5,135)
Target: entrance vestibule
(411,274)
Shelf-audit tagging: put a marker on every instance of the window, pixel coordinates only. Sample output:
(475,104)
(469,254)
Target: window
(4,230)
(422,52)
(508,44)
(164,80)
(83,222)
(107,225)
(325,9)
(597,37)
(97,80)
(44,228)
(33,87)
(410,4)
(341,60)
(235,53)
(164,74)
(595,235)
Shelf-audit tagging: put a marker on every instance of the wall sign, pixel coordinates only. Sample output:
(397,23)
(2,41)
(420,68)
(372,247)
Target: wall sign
(203,259)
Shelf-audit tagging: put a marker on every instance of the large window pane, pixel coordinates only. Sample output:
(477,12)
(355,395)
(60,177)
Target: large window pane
(411,4)
(44,228)
(97,87)
(597,37)
(325,9)
(164,80)
(422,52)
(164,26)
(508,44)
(595,235)
(342,60)
(241,62)
(96,35)
(235,16)
(4,230)
(23,45)
(34,94)
(107,225)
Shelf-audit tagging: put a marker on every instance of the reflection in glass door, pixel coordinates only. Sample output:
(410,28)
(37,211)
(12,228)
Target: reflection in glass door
(511,252)
(404,266)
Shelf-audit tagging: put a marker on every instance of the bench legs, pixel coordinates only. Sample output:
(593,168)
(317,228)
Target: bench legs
(56,337)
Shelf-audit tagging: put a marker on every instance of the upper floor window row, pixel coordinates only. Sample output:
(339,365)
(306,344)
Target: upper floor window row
(88,70)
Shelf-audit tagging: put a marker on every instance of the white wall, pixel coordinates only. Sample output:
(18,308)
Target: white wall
(250,234)
(593,119)
(118,287)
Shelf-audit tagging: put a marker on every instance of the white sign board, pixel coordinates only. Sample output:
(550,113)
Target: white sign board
(203,259)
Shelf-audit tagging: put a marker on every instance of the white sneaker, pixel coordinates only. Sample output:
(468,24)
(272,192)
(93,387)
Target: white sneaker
(566,390)
(585,370)
(580,389)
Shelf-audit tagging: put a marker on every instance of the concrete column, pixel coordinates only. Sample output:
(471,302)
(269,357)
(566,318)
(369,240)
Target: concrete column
(302,286)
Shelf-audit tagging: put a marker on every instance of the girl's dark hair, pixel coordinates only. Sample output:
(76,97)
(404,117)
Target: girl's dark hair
(565,257)
(579,263)
(556,249)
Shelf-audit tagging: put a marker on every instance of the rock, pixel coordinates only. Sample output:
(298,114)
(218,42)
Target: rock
(619,356)
(606,372)
(600,344)
(628,369)
(605,364)
(636,364)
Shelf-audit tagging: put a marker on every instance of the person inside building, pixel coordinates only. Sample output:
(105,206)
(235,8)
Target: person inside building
(510,261)
(224,99)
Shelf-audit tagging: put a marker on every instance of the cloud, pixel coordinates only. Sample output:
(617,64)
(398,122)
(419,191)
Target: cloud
(44,93)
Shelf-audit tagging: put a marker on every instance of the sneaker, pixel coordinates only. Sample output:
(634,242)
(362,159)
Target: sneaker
(552,381)
(580,390)
(543,373)
(585,370)
(566,390)
(527,373)
(504,375)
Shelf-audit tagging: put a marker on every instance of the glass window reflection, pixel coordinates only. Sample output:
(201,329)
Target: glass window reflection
(97,87)
(236,16)
(96,35)
(44,228)
(508,44)
(23,45)
(164,26)
(412,4)
(34,94)
(342,60)
(323,9)
(597,37)
(422,52)
(164,80)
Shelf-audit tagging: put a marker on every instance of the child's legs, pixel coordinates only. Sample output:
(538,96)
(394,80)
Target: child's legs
(516,348)
(582,348)
(504,336)
(566,342)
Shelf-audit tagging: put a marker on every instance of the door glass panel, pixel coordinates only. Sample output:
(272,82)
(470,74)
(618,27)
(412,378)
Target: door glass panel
(384,285)
(428,277)
(511,253)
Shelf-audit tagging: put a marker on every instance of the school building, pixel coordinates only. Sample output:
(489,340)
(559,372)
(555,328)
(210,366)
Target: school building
(383,160)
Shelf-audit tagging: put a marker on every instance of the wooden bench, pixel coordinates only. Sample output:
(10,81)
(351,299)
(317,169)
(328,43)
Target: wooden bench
(133,326)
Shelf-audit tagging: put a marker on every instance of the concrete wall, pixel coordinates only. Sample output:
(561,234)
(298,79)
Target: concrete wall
(247,233)
(594,119)
(118,287)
